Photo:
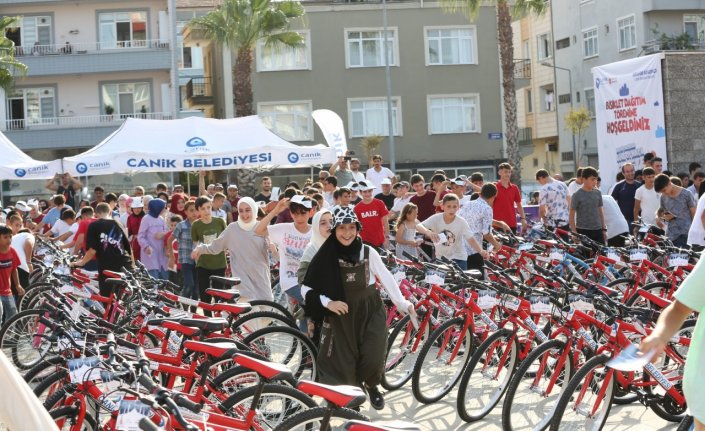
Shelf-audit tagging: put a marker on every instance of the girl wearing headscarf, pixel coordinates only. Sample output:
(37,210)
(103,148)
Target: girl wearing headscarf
(177,205)
(134,220)
(339,288)
(249,259)
(150,237)
(321,224)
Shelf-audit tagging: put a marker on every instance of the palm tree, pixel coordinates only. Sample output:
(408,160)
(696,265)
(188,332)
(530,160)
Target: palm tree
(9,66)
(239,25)
(505,13)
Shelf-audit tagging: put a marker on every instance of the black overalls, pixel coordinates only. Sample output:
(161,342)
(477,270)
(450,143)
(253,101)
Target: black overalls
(353,346)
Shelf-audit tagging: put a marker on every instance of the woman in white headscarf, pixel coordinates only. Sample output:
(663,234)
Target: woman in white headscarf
(249,259)
(321,224)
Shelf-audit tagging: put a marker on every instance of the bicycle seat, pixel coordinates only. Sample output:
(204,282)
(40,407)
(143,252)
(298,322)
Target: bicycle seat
(268,370)
(228,295)
(234,309)
(178,327)
(473,273)
(208,325)
(225,281)
(115,281)
(113,274)
(90,274)
(216,350)
(340,395)
(160,321)
(355,425)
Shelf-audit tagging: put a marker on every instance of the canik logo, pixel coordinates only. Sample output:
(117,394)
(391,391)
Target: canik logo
(20,172)
(195,142)
(81,168)
(293,157)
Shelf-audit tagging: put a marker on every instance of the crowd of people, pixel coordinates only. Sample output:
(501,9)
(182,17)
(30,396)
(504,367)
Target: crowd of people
(324,234)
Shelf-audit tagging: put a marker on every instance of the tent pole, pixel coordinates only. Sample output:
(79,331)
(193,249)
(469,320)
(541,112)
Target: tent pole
(188,184)
(172,181)
(2,197)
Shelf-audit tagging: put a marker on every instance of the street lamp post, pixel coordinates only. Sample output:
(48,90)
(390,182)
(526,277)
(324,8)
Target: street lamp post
(570,88)
(388,78)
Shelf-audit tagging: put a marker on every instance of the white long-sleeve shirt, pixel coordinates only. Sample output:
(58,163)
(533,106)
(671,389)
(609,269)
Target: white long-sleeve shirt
(386,279)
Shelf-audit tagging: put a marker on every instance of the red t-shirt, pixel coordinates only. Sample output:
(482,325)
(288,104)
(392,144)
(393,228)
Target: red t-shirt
(370,216)
(83,229)
(425,204)
(503,207)
(9,261)
(439,208)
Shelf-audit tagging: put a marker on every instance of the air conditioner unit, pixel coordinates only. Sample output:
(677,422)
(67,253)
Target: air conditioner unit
(553,147)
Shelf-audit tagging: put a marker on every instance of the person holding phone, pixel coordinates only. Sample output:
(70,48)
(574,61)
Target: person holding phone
(341,169)
(677,209)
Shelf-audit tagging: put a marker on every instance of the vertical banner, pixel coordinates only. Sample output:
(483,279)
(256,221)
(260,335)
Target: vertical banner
(333,130)
(629,114)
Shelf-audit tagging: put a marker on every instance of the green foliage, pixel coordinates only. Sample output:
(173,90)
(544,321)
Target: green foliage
(241,23)
(577,120)
(472,7)
(10,68)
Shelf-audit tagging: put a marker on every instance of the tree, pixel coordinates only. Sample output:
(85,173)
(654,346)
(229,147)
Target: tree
(577,121)
(10,68)
(505,13)
(239,25)
(370,144)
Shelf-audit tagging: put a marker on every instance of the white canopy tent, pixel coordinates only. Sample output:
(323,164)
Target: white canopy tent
(16,165)
(191,144)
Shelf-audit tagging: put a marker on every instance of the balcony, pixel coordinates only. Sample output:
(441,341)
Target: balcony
(94,57)
(522,73)
(675,43)
(72,122)
(199,91)
(525,141)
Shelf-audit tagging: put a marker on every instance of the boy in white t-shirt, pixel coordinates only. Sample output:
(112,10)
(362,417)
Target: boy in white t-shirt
(290,240)
(646,200)
(61,231)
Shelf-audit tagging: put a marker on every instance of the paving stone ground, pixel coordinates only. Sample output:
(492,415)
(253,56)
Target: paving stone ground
(401,406)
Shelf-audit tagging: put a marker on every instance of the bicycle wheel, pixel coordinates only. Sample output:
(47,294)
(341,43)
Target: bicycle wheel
(251,322)
(686,424)
(24,339)
(487,375)
(287,346)
(586,402)
(310,420)
(231,381)
(66,418)
(403,347)
(43,369)
(30,295)
(438,368)
(534,390)
(271,306)
(277,403)
(658,288)
(51,384)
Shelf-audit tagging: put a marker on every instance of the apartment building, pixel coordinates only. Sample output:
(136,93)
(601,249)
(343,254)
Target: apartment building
(445,83)
(536,96)
(589,33)
(91,64)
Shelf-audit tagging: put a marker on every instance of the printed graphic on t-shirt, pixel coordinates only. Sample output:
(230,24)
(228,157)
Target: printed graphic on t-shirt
(293,249)
(5,263)
(112,239)
(209,237)
(450,237)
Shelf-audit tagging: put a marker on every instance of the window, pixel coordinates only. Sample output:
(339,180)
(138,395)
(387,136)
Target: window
(529,102)
(32,31)
(544,46)
(694,27)
(122,29)
(127,99)
(564,98)
(627,33)
(450,45)
(567,156)
(549,103)
(590,48)
(590,101)
(27,106)
(189,57)
(277,56)
(454,114)
(290,120)
(369,117)
(365,48)
(563,43)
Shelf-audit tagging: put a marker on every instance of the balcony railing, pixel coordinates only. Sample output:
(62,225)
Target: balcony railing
(680,43)
(199,88)
(88,47)
(81,121)
(522,69)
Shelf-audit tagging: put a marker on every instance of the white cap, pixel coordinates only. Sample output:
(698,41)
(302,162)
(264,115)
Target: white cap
(136,202)
(386,181)
(21,206)
(364,186)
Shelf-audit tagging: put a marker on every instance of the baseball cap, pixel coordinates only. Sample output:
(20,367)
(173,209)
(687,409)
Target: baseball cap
(405,184)
(232,186)
(219,186)
(352,185)
(301,200)
(459,181)
(136,202)
(178,186)
(363,186)
(386,181)
(21,206)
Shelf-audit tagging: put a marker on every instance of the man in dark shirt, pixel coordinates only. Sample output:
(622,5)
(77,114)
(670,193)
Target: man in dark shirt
(624,192)
(266,193)
(107,241)
(386,196)
(65,184)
